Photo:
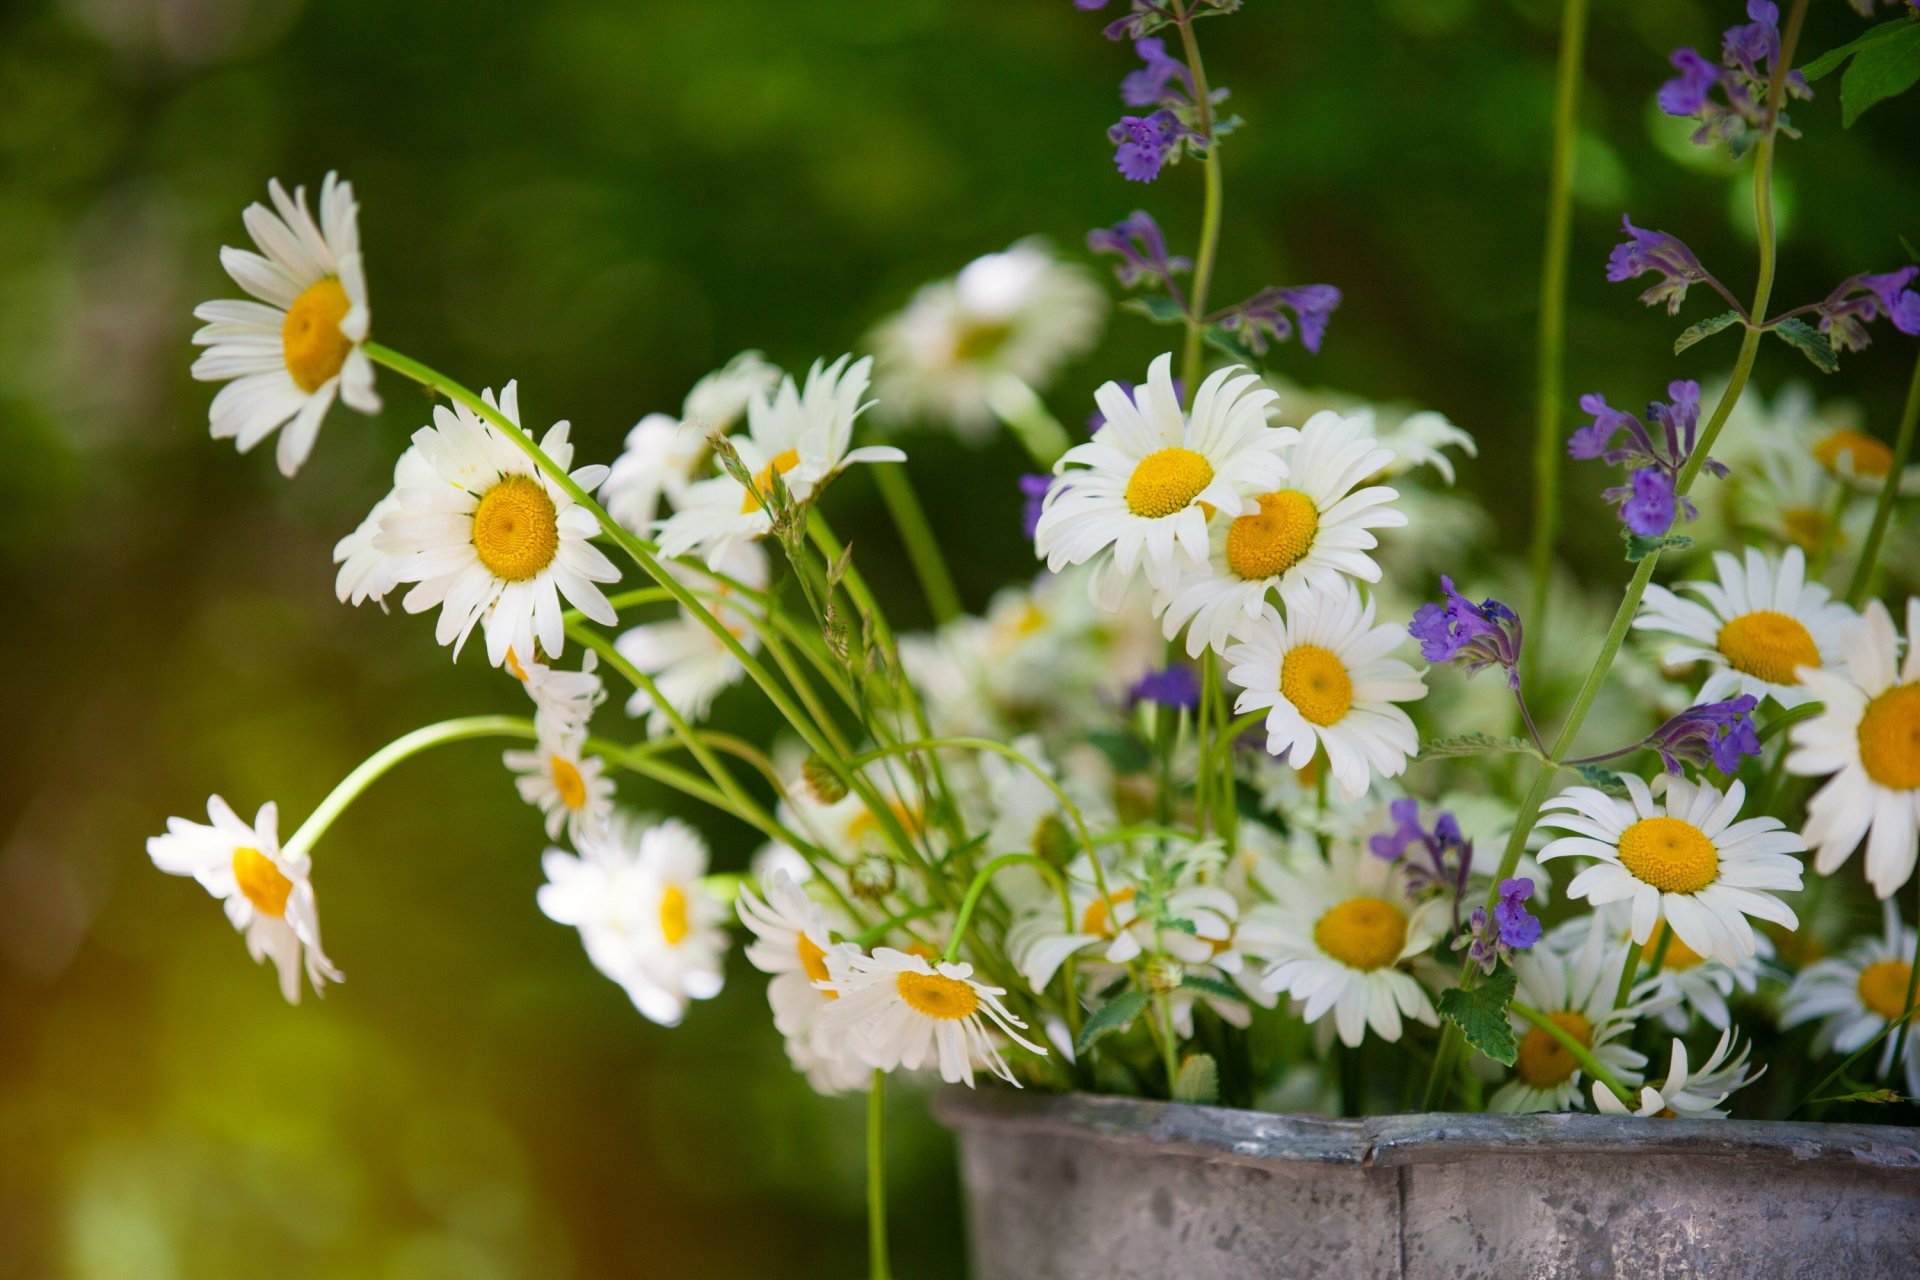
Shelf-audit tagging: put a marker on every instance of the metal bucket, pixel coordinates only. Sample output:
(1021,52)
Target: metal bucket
(1088,1188)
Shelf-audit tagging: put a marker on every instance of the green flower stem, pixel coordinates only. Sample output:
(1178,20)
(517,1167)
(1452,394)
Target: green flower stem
(1813,1095)
(1169,1052)
(1053,877)
(1913,985)
(401,748)
(1551,373)
(1581,1054)
(1020,407)
(877,1268)
(1202,815)
(1889,491)
(910,519)
(1203,259)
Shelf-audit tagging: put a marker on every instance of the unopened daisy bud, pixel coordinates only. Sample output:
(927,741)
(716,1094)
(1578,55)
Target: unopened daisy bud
(1053,842)
(728,457)
(822,783)
(1164,975)
(872,877)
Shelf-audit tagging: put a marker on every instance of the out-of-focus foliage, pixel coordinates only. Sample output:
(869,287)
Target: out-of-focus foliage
(605,200)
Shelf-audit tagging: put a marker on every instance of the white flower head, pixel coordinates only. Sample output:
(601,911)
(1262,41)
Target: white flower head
(570,789)
(492,540)
(634,894)
(265,891)
(366,571)
(1680,857)
(688,663)
(663,452)
(1574,988)
(1686,1093)
(900,1010)
(286,357)
(1323,673)
(564,701)
(1866,743)
(1856,995)
(1138,496)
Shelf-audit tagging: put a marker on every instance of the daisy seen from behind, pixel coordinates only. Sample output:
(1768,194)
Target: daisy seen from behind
(899,1010)
(1686,1093)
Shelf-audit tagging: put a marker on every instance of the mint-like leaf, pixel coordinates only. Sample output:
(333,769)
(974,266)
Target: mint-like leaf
(1110,1017)
(1481,1014)
(1705,329)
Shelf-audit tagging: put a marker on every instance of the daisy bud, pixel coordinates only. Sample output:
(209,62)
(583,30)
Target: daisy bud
(1053,842)
(872,877)
(1164,975)
(822,783)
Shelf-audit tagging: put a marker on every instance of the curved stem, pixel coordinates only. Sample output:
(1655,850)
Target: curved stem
(979,886)
(1203,259)
(1890,490)
(910,520)
(877,1268)
(1581,1054)
(410,744)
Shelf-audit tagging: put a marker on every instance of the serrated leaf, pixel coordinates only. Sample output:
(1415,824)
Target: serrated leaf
(1481,1014)
(1884,69)
(1600,779)
(1157,308)
(1229,343)
(1810,342)
(1705,329)
(1639,548)
(1474,744)
(1878,1097)
(1214,988)
(1179,924)
(1108,1018)
(1825,64)
(1198,1081)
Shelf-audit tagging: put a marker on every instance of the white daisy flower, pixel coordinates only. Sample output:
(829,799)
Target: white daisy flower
(1576,993)
(900,1010)
(1688,1094)
(571,791)
(286,357)
(792,941)
(634,893)
(1324,675)
(1681,858)
(563,700)
(1138,496)
(1690,985)
(1758,626)
(1307,534)
(1868,740)
(489,538)
(366,571)
(1112,924)
(663,452)
(266,892)
(1021,314)
(1856,994)
(1341,928)
(687,661)
(801,435)
(1421,439)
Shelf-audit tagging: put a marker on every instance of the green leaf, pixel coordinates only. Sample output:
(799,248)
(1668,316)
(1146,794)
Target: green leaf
(1879,1097)
(1810,342)
(1230,343)
(1157,308)
(1110,1017)
(1639,548)
(1826,63)
(1600,778)
(1213,987)
(1198,1081)
(1884,69)
(1474,744)
(1705,329)
(1481,1014)
(1124,751)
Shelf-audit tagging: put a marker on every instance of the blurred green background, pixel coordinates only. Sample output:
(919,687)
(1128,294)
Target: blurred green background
(605,200)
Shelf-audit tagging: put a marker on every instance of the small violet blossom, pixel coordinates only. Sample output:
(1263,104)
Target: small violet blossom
(1512,927)
(1738,115)
(1479,636)
(1262,316)
(1174,686)
(1716,733)
(1649,502)
(1860,300)
(1163,88)
(1664,255)
(1142,144)
(1142,249)
(1449,854)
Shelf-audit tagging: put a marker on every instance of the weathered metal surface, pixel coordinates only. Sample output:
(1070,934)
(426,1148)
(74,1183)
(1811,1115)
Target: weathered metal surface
(1086,1188)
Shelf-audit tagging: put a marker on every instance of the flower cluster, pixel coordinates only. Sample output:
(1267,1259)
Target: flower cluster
(1730,99)
(1477,636)
(1650,500)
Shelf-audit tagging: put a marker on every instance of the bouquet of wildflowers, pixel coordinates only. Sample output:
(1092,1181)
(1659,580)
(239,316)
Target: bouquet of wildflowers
(1213,808)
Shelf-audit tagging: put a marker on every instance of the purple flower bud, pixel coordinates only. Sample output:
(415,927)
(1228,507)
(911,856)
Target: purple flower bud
(1664,255)
(1648,510)
(1142,249)
(1860,300)
(1034,487)
(1686,94)
(1478,636)
(1141,144)
(1518,929)
(1740,114)
(1716,733)
(1175,686)
(1392,845)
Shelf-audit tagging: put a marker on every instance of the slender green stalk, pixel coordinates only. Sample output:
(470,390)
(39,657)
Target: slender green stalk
(1913,985)
(1628,972)
(1889,491)
(910,519)
(1169,1048)
(1052,876)
(1551,375)
(1813,1095)
(1026,415)
(1581,1054)
(1210,211)
(877,1268)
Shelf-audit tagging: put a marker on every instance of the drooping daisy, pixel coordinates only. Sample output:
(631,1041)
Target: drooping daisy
(563,701)
(1324,675)
(1304,535)
(1681,858)
(687,661)
(366,571)
(266,892)
(901,1010)
(1020,314)
(1868,739)
(1855,995)
(1759,626)
(663,452)
(286,357)
(1685,1093)
(492,540)
(1341,928)
(570,789)
(792,940)
(634,893)
(1138,496)
(801,435)
(1575,991)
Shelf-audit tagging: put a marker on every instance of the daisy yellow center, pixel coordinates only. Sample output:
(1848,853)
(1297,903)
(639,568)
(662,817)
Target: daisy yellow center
(1098,919)
(1806,527)
(1890,738)
(783,462)
(1883,987)
(1869,456)
(1768,645)
(1669,854)
(516,529)
(310,337)
(937,996)
(813,961)
(1316,683)
(1544,1062)
(1167,481)
(673,915)
(261,882)
(1268,542)
(981,340)
(1363,933)
(568,782)
(1680,956)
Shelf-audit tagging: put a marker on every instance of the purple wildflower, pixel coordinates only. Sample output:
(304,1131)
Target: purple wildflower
(1748,53)
(1716,733)
(1647,505)
(1142,249)
(1147,87)
(1034,489)
(1862,299)
(1263,316)
(1142,143)
(1174,686)
(1686,94)
(1665,255)
(1649,501)
(1448,854)
(1479,636)
(1518,928)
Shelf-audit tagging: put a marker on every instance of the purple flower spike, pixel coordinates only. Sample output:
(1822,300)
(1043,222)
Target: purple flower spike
(1862,299)
(1141,144)
(1738,115)
(1716,733)
(1175,686)
(1477,636)
(1649,502)
(1262,319)
(1648,509)
(1148,87)
(1657,252)
(1686,94)
(1448,857)
(1518,929)
(1034,488)
(1142,249)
